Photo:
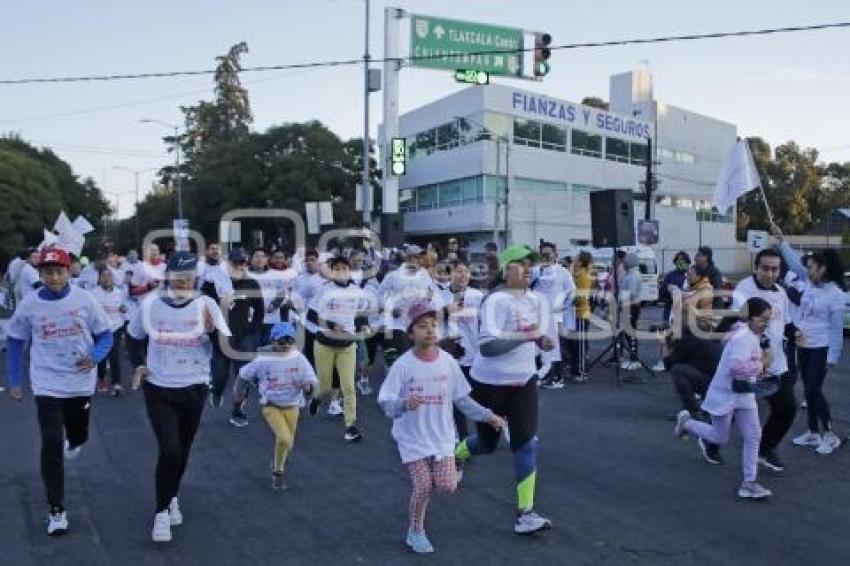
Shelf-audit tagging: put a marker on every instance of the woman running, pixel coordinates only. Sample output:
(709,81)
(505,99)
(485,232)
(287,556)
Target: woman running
(178,322)
(504,376)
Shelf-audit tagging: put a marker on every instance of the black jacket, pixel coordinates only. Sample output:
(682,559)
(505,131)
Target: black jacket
(700,353)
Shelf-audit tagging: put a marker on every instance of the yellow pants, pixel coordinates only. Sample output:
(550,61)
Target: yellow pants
(345,361)
(283,421)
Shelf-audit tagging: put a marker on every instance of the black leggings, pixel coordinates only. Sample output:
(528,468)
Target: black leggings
(461,426)
(114,358)
(576,346)
(813,373)
(56,415)
(689,381)
(174,415)
(518,404)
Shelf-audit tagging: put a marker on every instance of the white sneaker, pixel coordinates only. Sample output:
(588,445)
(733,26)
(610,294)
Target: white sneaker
(530,522)
(808,439)
(625,364)
(334,408)
(753,490)
(175,516)
(72,453)
(659,366)
(57,524)
(828,444)
(682,417)
(161,527)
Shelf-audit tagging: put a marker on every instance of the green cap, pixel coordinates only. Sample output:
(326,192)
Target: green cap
(516,253)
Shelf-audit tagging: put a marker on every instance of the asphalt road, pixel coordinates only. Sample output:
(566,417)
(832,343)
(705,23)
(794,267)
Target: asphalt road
(616,484)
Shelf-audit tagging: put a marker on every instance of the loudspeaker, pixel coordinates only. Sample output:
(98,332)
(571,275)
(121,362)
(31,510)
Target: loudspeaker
(612,218)
(392,230)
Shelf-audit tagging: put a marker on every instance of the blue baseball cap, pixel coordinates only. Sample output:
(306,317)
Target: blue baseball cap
(182,261)
(238,255)
(282,330)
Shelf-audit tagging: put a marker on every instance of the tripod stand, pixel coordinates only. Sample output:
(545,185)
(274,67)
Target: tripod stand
(619,340)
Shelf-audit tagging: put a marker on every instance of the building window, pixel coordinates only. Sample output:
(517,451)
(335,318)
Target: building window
(526,132)
(426,142)
(638,153)
(616,150)
(525,184)
(554,137)
(407,200)
(427,197)
(450,194)
(584,143)
(675,155)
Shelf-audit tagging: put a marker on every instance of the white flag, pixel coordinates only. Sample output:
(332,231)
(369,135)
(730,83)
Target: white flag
(82,226)
(49,239)
(737,177)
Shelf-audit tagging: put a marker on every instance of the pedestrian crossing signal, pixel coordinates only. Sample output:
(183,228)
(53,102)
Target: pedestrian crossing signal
(398,156)
(542,54)
(471,76)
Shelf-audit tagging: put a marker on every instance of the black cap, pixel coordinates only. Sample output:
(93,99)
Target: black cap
(182,261)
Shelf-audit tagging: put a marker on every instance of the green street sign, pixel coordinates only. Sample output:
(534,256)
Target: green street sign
(472,77)
(440,43)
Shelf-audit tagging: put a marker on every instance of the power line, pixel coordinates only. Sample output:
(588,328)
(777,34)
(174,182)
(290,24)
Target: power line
(347,62)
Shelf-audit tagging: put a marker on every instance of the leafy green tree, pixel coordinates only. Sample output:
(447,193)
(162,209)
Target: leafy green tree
(35,185)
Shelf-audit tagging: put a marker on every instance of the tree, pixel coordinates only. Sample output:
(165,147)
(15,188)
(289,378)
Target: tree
(35,185)
(595,102)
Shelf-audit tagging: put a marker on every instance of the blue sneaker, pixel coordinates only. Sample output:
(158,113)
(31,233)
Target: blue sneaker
(418,542)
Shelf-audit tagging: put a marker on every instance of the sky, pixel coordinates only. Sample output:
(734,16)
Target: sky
(780,87)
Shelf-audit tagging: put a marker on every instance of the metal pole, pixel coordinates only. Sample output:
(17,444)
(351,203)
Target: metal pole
(649,180)
(367,193)
(496,195)
(177,172)
(138,229)
(507,188)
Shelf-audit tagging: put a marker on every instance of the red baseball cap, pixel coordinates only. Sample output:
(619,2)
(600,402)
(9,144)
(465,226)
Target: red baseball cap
(54,256)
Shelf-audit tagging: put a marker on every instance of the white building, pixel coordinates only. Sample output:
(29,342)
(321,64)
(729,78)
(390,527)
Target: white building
(464,150)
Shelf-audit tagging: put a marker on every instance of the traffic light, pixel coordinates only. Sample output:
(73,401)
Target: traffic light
(542,54)
(472,76)
(398,156)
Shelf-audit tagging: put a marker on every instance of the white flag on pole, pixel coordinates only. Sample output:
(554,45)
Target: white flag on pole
(737,177)
(82,226)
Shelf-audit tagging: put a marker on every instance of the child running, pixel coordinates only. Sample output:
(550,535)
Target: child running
(69,334)
(281,375)
(731,395)
(113,299)
(418,394)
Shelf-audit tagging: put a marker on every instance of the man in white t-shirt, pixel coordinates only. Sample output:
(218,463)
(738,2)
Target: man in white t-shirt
(554,282)
(28,279)
(783,404)
(69,334)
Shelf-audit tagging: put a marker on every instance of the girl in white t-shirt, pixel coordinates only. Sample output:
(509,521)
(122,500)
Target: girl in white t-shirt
(113,299)
(731,395)
(418,394)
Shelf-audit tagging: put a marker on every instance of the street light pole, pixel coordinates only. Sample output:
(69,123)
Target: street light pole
(366,184)
(136,174)
(176,161)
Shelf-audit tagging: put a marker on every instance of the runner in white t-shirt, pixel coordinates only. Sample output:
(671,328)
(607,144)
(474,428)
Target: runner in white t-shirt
(113,300)
(504,379)
(178,323)
(419,393)
(69,334)
(555,283)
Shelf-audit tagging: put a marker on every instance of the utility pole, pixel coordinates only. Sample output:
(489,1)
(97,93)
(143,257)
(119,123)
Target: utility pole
(507,191)
(366,197)
(648,184)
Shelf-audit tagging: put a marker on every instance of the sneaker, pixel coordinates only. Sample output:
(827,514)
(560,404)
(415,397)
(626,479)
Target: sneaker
(555,383)
(313,407)
(278,484)
(418,542)
(710,452)
(352,434)
(238,418)
(16,393)
(364,387)
(581,378)
(216,400)
(682,417)
(804,404)
(117,390)
(72,453)
(175,516)
(459,471)
(161,527)
(530,522)
(635,365)
(334,408)
(771,461)
(829,443)
(659,366)
(57,523)
(810,438)
(753,490)
(625,364)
